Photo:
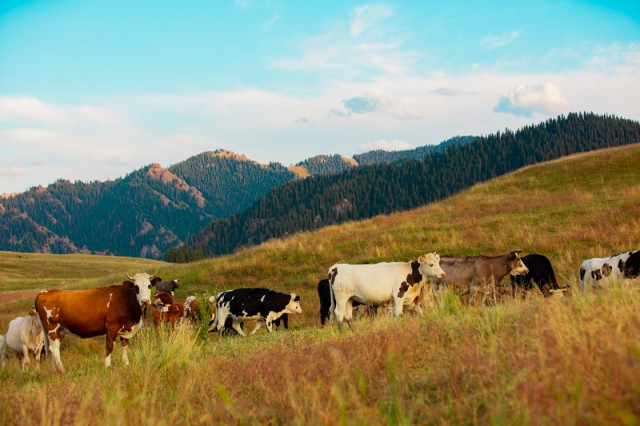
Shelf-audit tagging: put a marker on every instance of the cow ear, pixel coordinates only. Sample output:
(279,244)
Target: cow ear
(422,258)
(32,313)
(156,280)
(128,284)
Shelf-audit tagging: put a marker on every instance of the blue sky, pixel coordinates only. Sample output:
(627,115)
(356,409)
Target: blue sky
(94,89)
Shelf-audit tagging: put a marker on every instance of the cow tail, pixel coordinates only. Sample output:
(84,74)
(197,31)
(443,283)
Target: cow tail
(45,331)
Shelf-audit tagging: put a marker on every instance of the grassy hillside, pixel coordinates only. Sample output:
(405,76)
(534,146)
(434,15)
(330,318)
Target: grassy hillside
(535,361)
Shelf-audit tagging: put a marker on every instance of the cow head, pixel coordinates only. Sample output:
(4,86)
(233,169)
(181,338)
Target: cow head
(516,265)
(293,307)
(430,266)
(141,283)
(162,298)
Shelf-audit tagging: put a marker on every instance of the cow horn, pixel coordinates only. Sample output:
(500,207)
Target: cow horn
(130,277)
(153,275)
(516,251)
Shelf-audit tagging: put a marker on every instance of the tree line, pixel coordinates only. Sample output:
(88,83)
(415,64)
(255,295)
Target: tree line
(386,188)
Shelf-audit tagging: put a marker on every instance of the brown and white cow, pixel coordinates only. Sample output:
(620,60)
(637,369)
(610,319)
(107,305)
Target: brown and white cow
(399,283)
(166,310)
(114,311)
(473,274)
(25,337)
(192,309)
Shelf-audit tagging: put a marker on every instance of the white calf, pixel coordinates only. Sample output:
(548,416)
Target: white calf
(601,270)
(25,336)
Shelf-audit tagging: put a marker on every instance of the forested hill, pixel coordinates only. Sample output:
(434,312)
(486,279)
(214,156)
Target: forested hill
(142,214)
(368,191)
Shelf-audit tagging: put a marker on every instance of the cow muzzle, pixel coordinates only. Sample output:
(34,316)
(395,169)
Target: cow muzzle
(145,302)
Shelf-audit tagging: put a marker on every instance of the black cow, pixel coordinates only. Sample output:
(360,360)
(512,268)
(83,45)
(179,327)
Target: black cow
(167,286)
(246,304)
(540,273)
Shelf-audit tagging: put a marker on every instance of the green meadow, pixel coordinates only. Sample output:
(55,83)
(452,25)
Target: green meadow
(572,360)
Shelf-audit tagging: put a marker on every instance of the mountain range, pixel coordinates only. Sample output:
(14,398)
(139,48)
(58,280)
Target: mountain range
(155,208)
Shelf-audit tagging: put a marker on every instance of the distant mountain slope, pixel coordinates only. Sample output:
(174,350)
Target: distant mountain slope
(368,191)
(142,214)
(386,157)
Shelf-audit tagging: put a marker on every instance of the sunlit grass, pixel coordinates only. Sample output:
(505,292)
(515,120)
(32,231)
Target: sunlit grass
(574,360)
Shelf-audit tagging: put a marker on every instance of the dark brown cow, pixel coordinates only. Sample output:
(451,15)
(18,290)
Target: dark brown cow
(469,275)
(112,311)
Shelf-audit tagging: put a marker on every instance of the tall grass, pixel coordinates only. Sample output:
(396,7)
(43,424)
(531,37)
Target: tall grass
(534,361)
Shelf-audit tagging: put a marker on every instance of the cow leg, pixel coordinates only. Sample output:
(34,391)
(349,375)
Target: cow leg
(259,324)
(37,355)
(24,360)
(125,344)
(398,304)
(110,344)
(348,312)
(236,327)
(54,349)
(339,310)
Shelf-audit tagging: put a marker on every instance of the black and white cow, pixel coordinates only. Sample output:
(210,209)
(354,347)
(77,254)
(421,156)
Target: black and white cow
(601,270)
(247,304)
(540,272)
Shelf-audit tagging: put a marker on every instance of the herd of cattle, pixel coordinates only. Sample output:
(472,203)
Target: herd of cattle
(119,310)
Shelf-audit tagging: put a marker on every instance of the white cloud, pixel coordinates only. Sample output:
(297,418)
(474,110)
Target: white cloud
(387,145)
(525,100)
(368,17)
(493,41)
(377,101)
(370,44)
(12,171)
(30,110)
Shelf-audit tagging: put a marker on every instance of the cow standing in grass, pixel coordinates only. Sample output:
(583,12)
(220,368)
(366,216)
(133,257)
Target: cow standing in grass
(24,337)
(247,304)
(540,273)
(397,282)
(114,311)
(473,275)
(602,270)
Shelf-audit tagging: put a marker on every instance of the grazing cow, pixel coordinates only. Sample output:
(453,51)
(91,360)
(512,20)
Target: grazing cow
(540,272)
(25,336)
(601,270)
(166,310)
(112,311)
(192,309)
(473,274)
(397,282)
(3,352)
(246,304)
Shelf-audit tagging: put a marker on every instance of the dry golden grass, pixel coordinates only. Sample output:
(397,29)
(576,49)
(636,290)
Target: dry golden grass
(535,361)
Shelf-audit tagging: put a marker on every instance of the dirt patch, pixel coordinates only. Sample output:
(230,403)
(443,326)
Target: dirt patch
(13,296)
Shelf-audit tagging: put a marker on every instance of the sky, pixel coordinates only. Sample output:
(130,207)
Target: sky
(95,89)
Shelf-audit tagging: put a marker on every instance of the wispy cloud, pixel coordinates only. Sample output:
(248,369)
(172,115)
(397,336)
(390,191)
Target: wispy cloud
(387,145)
(12,170)
(494,41)
(525,100)
(31,110)
(368,17)
(377,101)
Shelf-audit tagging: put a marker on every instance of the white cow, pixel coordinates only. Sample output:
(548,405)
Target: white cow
(25,336)
(602,270)
(3,352)
(396,282)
